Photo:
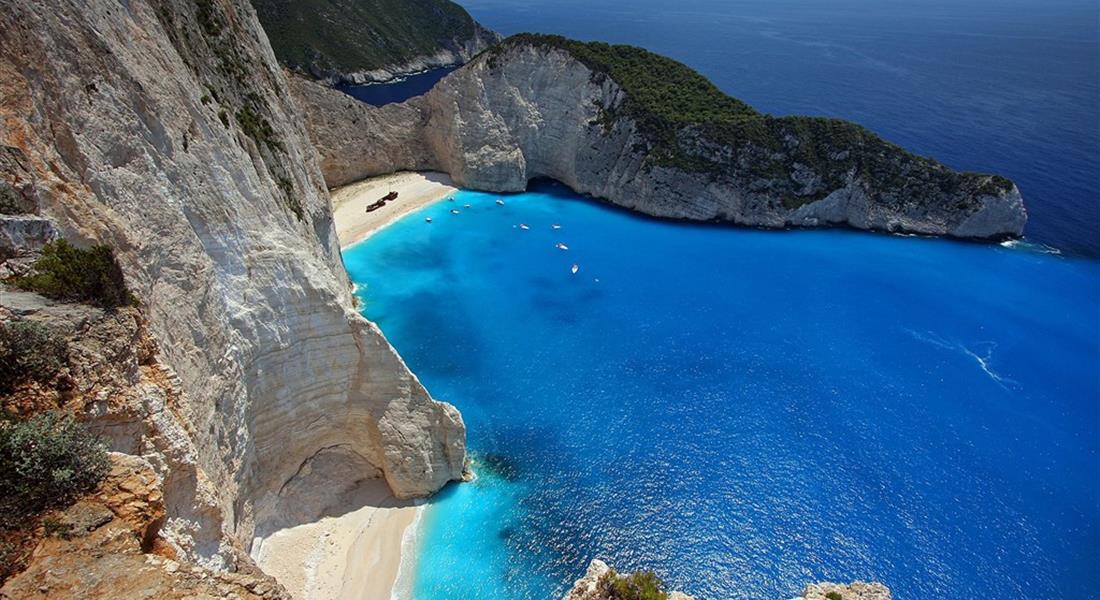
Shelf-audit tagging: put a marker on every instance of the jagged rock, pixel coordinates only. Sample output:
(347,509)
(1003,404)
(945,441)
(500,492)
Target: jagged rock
(24,234)
(164,129)
(586,587)
(531,108)
(103,550)
(852,591)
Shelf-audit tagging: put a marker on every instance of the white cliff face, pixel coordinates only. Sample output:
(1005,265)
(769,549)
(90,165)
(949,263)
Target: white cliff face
(524,111)
(166,131)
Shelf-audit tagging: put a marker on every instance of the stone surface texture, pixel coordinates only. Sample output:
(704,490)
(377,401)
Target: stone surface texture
(851,591)
(586,587)
(107,548)
(530,111)
(165,129)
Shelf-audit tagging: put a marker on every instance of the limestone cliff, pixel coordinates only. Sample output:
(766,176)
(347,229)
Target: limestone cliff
(649,134)
(164,129)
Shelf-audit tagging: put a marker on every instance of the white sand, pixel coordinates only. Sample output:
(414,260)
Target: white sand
(353,556)
(414,191)
(356,553)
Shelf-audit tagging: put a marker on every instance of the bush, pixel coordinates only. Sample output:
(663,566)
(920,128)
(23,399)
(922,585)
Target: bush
(641,585)
(65,272)
(834,596)
(46,461)
(29,352)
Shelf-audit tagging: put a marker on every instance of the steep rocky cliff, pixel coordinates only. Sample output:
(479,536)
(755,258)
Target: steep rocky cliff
(164,129)
(360,41)
(649,134)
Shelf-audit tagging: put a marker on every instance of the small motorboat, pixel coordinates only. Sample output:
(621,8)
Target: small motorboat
(500,201)
(427,219)
(574,269)
(523,226)
(561,246)
(454,211)
(555,226)
(465,206)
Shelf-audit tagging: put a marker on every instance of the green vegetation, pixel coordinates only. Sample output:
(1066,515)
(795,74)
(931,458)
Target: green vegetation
(321,36)
(641,585)
(208,17)
(46,462)
(65,272)
(258,128)
(29,351)
(684,118)
(834,596)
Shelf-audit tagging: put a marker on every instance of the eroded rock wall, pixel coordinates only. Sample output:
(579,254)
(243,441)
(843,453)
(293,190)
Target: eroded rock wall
(164,128)
(524,111)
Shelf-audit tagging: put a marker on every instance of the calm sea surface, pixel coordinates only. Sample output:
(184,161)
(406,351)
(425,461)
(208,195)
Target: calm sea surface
(747,411)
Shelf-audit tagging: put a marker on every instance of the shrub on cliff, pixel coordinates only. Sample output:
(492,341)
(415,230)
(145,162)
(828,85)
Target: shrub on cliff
(65,272)
(28,352)
(641,585)
(46,461)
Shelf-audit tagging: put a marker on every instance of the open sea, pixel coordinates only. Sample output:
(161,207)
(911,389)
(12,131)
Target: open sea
(744,411)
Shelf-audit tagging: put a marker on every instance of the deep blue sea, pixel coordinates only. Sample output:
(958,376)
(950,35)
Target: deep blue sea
(410,86)
(747,411)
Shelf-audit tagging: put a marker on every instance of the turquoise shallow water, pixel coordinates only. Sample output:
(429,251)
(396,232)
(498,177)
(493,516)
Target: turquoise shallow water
(746,411)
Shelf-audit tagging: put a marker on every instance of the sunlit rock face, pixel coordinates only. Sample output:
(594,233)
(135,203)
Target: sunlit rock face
(526,110)
(165,129)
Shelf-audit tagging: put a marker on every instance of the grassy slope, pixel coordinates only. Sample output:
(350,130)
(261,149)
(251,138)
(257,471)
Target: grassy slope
(682,113)
(355,35)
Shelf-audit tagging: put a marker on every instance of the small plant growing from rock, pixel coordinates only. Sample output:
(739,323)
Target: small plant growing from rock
(29,352)
(834,596)
(641,585)
(46,461)
(65,272)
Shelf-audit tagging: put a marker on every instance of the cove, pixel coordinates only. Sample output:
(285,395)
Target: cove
(744,411)
(399,90)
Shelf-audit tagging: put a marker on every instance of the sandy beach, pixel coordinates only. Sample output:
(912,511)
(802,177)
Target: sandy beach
(414,191)
(354,551)
(350,556)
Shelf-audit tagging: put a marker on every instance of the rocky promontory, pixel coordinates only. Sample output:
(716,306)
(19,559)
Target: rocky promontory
(649,134)
(367,41)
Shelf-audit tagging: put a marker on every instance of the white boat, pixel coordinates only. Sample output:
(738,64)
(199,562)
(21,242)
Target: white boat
(523,226)
(575,269)
(454,211)
(500,201)
(465,206)
(561,246)
(427,219)
(555,226)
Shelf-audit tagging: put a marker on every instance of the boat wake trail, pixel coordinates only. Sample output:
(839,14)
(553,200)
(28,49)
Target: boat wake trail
(982,354)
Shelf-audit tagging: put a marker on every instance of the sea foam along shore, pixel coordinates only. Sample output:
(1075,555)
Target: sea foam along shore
(414,191)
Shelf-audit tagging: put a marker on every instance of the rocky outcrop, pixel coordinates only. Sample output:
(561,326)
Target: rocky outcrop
(593,584)
(105,546)
(853,591)
(588,587)
(547,107)
(164,129)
